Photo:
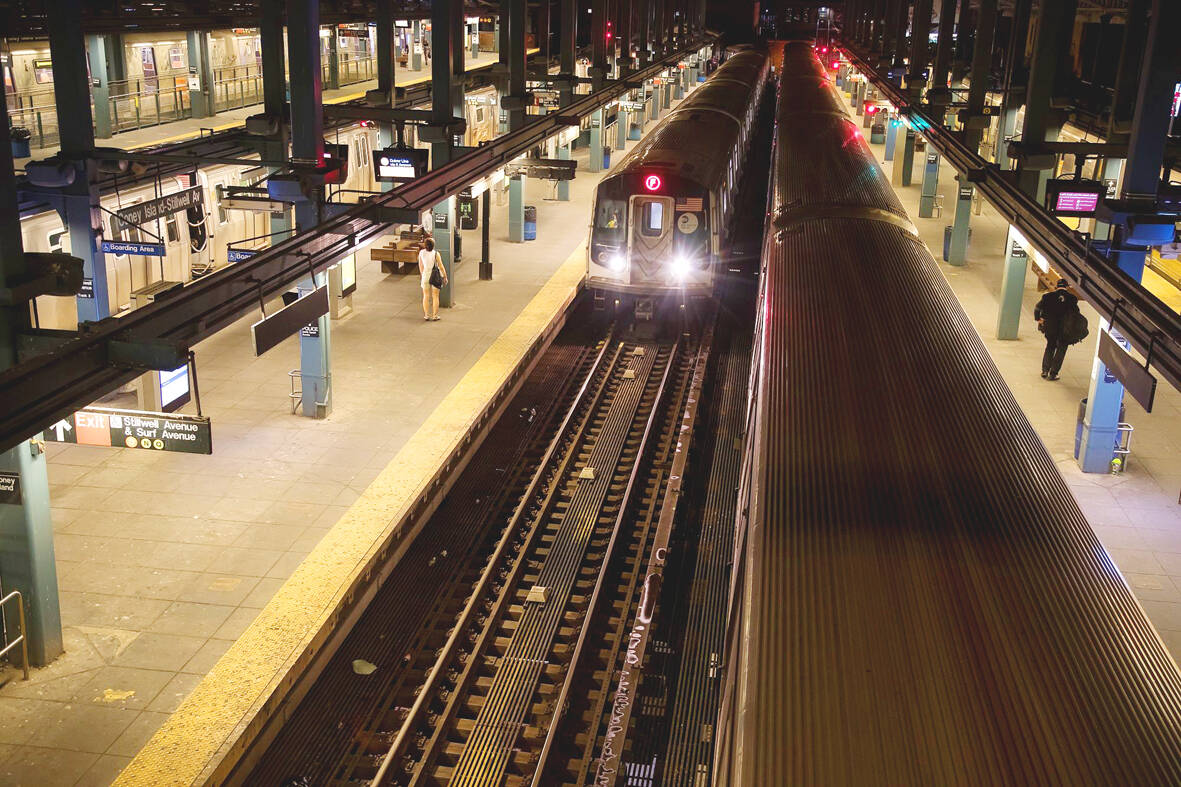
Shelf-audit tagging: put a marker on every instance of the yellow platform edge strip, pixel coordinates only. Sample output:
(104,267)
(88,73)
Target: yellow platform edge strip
(189,745)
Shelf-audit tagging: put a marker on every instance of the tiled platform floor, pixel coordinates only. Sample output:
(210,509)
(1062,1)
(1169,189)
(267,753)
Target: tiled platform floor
(1136,514)
(164,559)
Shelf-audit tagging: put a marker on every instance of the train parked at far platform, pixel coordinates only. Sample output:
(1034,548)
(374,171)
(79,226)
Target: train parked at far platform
(660,219)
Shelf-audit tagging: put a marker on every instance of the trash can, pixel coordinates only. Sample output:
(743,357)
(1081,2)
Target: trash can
(1078,433)
(606,157)
(19,138)
(530,222)
(947,240)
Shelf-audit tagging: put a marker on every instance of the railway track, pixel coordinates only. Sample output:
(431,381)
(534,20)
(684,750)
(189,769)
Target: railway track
(497,701)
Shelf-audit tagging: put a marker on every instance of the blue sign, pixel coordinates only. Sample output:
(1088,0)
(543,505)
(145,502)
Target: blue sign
(128,247)
(237,255)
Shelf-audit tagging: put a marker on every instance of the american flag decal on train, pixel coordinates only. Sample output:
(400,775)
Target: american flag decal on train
(690,204)
(185,180)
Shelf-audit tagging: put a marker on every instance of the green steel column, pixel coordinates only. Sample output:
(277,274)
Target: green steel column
(942,68)
(596,142)
(908,157)
(930,184)
(333,59)
(307,147)
(981,66)
(621,123)
(598,34)
(116,68)
(516,209)
(920,29)
(514,102)
(96,50)
(447,82)
(416,46)
(1016,76)
(274,91)
(202,99)
(958,248)
(1053,37)
(563,185)
(1012,288)
(387,56)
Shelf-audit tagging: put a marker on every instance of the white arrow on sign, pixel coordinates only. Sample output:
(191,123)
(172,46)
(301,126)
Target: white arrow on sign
(61,427)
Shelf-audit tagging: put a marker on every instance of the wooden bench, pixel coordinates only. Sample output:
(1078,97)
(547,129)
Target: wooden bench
(403,251)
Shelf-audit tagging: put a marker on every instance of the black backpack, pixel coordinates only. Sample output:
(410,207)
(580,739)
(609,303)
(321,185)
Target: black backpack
(1074,327)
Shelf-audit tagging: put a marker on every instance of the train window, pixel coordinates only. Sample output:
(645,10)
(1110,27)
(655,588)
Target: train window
(57,241)
(611,216)
(652,224)
(222,214)
(170,228)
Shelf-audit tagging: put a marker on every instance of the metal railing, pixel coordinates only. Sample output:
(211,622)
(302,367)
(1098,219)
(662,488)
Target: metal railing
(350,68)
(236,87)
(136,104)
(21,640)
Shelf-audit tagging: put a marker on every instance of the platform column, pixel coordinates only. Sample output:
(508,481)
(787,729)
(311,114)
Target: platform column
(307,148)
(80,208)
(904,160)
(1110,171)
(27,560)
(1016,76)
(387,57)
(1041,122)
(1159,72)
(1012,288)
(563,190)
(981,63)
(416,45)
(274,92)
(514,102)
(473,39)
(667,91)
(96,50)
(930,184)
(621,124)
(485,235)
(333,41)
(516,209)
(942,68)
(447,81)
(596,142)
(958,247)
(892,124)
(202,100)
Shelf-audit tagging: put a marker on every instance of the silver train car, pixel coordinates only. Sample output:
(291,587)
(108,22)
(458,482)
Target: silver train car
(917,597)
(661,217)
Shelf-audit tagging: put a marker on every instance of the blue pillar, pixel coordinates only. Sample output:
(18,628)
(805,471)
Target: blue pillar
(563,186)
(416,47)
(26,551)
(930,184)
(516,209)
(958,248)
(1012,288)
(892,125)
(202,98)
(596,142)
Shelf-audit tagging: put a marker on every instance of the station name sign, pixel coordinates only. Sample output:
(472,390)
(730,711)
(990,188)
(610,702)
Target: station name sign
(160,207)
(109,428)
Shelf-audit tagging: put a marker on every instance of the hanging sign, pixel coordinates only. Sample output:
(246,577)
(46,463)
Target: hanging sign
(129,247)
(1137,380)
(100,426)
(160,207)
(270,331)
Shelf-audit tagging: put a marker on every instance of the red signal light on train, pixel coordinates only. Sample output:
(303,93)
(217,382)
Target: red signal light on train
(653,182)
(835,65)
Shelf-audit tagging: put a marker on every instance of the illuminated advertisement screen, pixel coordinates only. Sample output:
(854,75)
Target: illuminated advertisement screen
(392,164)
(174,388)
(1076,203)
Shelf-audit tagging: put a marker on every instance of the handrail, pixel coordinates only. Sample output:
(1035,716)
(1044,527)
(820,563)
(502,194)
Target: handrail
(21,640)
(1152,327)
(47,387)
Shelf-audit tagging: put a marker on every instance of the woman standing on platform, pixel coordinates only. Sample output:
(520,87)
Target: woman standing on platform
(434,276)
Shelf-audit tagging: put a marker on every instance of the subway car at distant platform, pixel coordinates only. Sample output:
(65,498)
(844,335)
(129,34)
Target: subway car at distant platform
(661,218)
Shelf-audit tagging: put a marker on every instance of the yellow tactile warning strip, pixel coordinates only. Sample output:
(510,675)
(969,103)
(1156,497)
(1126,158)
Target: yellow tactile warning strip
(189,746)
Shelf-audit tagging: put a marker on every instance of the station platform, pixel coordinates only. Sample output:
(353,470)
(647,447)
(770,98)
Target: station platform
(171,563)
(191,128)
(1135,514)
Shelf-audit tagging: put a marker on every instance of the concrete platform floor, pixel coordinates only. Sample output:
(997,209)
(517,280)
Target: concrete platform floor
(1136,515)
(164,559)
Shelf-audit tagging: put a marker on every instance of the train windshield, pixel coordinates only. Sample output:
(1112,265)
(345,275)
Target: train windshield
(610,218)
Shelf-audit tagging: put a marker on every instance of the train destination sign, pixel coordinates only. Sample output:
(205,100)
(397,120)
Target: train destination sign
(129,247)
(109,428)
(160,207)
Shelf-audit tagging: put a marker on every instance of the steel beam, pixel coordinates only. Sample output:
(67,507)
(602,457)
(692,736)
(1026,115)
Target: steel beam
(1145,320)
(1053,38)
(46,388)
(981,68)
(943,44)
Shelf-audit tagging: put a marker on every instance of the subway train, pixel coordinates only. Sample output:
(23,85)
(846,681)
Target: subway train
(195,243)
(660,218)
(917,597)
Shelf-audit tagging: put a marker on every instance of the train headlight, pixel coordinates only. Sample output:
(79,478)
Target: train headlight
(616,263)
(680,268)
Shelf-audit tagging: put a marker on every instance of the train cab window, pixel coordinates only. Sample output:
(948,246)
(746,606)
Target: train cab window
(611,216)
(652,219)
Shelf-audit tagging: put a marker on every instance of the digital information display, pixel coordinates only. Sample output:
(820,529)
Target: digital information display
(394,165)
(1076,202)
(174,389)
(99,426)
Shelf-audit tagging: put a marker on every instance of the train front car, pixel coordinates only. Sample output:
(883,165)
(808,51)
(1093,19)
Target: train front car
(659,221)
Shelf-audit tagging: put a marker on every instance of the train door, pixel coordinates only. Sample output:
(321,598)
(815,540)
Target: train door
(650,237)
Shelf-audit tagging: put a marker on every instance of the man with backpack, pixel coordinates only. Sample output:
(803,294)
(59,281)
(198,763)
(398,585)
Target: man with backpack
(1059,318)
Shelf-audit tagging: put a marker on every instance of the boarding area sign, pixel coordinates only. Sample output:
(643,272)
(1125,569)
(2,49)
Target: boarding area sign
(110,428)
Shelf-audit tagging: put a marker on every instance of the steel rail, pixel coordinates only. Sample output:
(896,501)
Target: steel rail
(1152,327)
(586,398)
(36,393)
(597,595)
